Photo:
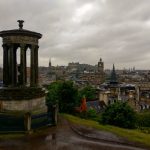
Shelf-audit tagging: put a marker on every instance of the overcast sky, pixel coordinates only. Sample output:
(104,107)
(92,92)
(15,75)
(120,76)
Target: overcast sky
(85,30)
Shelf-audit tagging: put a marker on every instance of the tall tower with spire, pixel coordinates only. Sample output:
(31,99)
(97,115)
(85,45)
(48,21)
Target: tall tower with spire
(113,76)
(50,64)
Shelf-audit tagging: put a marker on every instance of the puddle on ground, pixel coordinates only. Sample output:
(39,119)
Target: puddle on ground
(60,138)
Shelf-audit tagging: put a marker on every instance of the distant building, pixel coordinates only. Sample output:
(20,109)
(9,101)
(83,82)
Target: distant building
(136,95)
(81,74)
(96,105)
(94,78)
(109,90)
(143,92)
(73,66)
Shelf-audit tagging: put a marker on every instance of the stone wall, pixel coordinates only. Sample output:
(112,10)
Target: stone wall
(20,93)
(36,104)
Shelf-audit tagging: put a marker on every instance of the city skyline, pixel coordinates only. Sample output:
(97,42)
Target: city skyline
(83,31)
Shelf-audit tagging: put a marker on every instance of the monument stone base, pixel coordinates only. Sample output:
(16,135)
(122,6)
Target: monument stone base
(23,108)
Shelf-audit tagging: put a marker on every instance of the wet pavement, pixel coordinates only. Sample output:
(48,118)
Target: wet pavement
(63,137)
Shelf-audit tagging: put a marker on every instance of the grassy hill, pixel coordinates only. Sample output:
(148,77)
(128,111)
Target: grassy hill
(133,135)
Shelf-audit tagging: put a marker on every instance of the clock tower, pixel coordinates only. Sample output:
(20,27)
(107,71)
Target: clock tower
(101,66)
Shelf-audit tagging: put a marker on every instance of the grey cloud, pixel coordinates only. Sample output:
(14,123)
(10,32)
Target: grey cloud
(84,30)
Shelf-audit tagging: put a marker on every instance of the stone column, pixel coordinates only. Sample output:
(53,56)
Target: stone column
(36,64)
(5,65)
(23,72)
(27,121)
(12,65)
(32,68)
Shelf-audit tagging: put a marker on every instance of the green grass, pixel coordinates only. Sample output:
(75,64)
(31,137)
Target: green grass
(6,136)
(133,135)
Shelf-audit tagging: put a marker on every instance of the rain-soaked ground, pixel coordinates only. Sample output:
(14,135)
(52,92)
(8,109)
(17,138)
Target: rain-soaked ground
(62,137)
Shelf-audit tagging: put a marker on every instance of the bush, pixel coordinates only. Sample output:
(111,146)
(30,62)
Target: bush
(143,119)
(119,114)
(91,114)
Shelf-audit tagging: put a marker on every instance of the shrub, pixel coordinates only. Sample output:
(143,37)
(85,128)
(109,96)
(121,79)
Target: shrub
(119,114)
(91,114)
(143,119)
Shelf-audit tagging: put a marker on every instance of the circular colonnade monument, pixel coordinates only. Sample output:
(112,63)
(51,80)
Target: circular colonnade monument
(22,106)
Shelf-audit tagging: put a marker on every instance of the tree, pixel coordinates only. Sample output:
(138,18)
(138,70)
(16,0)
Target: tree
(65,94)
(68,97)
(119,114)
(88,92)
(53,96)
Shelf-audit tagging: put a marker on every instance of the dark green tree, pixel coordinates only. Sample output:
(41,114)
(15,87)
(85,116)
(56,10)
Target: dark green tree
(119,114)
(68,97)
(63,93)
(89,92)
(53,95)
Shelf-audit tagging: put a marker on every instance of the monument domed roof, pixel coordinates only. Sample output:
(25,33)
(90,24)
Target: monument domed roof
(20,32)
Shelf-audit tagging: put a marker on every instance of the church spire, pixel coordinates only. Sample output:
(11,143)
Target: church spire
(113,76)
(50,63)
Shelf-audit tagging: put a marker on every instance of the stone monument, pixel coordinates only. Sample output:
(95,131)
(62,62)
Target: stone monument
(16,97)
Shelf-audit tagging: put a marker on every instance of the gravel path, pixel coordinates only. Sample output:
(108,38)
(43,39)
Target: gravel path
(63,137)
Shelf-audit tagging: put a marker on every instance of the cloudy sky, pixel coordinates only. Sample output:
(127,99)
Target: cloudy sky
(85,30)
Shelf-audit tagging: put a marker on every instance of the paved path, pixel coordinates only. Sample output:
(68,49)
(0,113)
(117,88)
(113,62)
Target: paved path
(63,137)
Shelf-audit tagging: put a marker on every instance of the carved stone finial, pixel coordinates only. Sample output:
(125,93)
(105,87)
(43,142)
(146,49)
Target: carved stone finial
(20,23)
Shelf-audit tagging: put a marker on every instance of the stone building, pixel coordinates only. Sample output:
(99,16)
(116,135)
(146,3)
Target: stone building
(94,78)
(136,95)
(143,96)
